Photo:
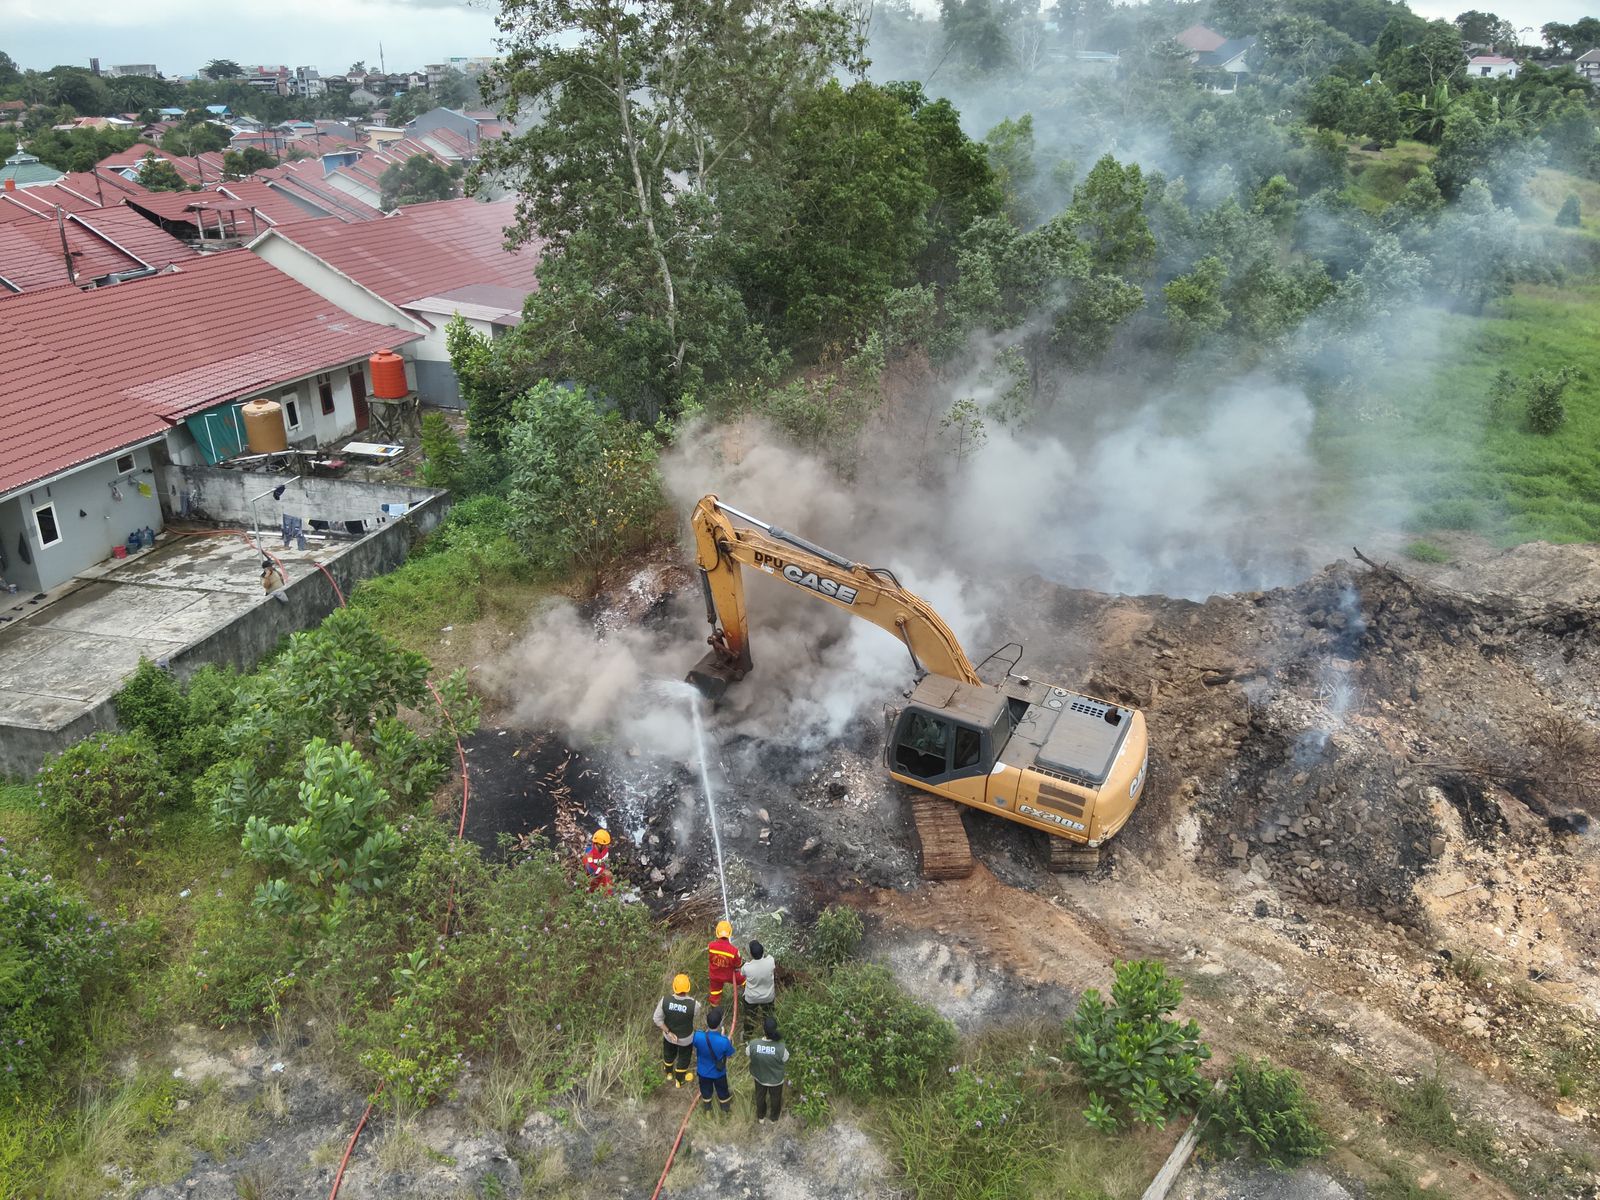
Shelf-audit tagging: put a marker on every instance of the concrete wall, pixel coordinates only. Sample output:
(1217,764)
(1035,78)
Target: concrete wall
(242,643)
(224,497)
(87,539)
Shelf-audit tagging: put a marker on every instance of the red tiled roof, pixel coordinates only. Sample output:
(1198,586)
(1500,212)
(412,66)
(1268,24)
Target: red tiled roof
(35,202)
(92,185)
(1200,39)
(140,237)
(424,249)
(272,202)
(31,257)
(344,206)
(114,366)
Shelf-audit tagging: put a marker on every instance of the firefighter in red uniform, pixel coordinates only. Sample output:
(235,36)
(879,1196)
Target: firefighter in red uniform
(594,862)
(724,962)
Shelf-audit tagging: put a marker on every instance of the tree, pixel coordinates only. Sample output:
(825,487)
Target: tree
(1108,214)
(240,164)
(1010,147)
(453,90)
(406,107)
(584,486)
(9,74)
(418,180)
(222,68)
(1546,411)
(195,137)
(975,34)
(159,175)
(1497,152)
(1194,301)
(1571,214)
(74,86)
(487,393)
(647,115)
(136,93)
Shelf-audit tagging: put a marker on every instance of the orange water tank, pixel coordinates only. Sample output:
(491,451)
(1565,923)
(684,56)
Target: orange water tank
(264,430)
(388,376)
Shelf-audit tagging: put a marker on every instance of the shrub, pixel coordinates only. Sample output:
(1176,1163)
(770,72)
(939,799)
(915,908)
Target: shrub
(109,785)
(1571,214)
(535,969)
(54,951)
(865,1039)
(976,1139)
(442,458)
(835,935)
(1262,1111)
(1501,393)
(152,701)
(243,959)
(1546,410)
(343,845)
(1133,1056)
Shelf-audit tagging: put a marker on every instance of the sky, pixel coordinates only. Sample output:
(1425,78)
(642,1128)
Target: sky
(180,36)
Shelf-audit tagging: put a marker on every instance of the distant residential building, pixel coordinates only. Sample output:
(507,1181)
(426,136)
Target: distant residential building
(1230,61)
(471,67)
(12,110)
(453,134)
(306,82)
(23,170)
(142,70)
(1587,65)
(268,79)
(365,96)
(1492,66)
(1200,39)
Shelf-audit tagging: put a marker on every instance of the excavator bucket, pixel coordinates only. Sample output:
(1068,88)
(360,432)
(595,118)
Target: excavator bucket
(712,675)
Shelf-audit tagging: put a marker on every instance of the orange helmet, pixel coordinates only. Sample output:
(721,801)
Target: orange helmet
(681,985)
(602,837)
(724,929)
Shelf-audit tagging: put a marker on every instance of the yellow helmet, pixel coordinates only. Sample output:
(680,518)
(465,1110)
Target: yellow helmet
(681,985)
(724,929)
(602,837)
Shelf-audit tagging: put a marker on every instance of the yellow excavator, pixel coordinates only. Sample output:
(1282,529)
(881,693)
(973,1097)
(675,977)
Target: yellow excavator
(1047,757)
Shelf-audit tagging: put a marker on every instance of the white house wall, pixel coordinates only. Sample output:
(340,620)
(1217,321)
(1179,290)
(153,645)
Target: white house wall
(106,521)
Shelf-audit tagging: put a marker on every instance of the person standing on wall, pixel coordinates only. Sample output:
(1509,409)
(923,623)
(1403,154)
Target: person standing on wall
(711,1054)
(767,1057)
(760,990)
(676,1016)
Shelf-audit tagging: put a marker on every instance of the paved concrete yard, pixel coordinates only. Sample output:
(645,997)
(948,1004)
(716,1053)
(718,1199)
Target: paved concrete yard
(61,659)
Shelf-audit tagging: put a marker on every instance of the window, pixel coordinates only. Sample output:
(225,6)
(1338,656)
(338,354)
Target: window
(44,519)
(126,465)
(923,746)
(969,745)
(325,391)
(291,412)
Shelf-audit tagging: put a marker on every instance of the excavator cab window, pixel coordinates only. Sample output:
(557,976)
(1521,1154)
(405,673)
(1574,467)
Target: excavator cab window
(924,745)
(969,747)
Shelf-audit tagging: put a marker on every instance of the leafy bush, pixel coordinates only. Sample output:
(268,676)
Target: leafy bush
(535,969)
(1501,393)
(55,950)
(865,1037)
(108,785)
(835,935)
(1546,410)
(342,846)
(1133,1056)
(1262,1111)
(341,680)
(584,486)
(976,1139)
(185,724)
(242,960)
(1571,214)
(442,458)
(152,701)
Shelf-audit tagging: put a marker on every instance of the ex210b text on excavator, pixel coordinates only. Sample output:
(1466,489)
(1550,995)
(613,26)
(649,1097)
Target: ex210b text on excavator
(1047,757)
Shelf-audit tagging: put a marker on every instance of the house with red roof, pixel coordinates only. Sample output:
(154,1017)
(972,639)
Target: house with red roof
(123,380)
(416,268)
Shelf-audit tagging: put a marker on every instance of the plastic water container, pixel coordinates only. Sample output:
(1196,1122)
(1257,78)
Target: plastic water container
(135,540)
(148,537)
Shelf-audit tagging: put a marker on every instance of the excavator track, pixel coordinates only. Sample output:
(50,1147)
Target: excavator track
(942,847)
(1072,857)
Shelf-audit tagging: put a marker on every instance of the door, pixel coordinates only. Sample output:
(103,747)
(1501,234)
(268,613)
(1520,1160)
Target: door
(358,395)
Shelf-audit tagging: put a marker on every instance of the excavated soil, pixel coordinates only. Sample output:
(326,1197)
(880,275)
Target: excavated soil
(1368,845)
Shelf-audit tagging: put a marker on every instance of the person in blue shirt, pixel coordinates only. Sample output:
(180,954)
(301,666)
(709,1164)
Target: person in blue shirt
(711,1054)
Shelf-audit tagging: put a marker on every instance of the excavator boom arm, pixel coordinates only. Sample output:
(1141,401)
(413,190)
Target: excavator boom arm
(724,549)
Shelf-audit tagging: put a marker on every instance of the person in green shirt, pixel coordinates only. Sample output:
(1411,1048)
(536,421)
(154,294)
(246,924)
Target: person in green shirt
(767,1057)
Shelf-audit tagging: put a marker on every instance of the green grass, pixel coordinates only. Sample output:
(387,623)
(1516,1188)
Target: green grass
(1426,552)
(1427,452)
(1377,178)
